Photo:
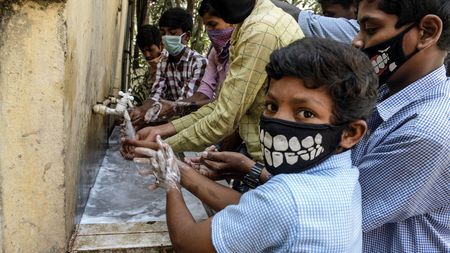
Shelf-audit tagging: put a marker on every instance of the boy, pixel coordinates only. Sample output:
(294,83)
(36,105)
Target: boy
(319,95)
(148,40)
(180,70)
(404,162)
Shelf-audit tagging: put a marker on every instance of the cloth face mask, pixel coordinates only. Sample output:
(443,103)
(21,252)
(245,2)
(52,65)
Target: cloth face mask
(291,147)
(173,44)
(388,56)
(221,41)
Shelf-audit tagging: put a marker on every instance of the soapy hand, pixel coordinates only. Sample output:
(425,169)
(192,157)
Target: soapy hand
(165,166)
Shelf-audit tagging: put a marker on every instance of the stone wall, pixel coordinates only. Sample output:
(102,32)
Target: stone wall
(57,59)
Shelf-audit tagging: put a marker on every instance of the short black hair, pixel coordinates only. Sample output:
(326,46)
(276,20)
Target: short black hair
(176,18)
(206,7)
(148,35)
(345,3)
(411,11)
(345,72)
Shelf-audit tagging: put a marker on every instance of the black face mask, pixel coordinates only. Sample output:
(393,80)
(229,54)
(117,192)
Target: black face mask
(388,56)
(291,147)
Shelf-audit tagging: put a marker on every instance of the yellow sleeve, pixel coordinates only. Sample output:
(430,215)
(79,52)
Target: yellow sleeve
(246,77)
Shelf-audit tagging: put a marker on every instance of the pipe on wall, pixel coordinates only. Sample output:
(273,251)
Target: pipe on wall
(123,31)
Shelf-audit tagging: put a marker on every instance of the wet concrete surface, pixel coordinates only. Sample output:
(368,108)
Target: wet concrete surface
(120,194)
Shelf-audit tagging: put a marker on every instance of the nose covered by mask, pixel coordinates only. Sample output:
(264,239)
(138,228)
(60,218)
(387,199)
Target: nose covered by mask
(291,147)
(388,56)
(221,41)
(173,44)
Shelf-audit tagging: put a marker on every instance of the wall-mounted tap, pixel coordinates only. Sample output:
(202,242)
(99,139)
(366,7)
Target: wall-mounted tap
(123,104)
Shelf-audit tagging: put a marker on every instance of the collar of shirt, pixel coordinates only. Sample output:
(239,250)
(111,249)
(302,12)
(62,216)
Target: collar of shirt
(187,55)
(336,161)
(387,107)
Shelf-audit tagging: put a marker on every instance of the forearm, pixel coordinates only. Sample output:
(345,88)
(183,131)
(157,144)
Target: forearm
(209,192)
(183,229)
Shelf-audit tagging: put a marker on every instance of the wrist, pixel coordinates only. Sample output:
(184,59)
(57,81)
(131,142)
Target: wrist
(252,178)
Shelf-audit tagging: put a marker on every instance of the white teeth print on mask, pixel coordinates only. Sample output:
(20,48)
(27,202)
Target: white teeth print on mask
(309,148)
(277,159)
(381,61)
(268,156)
(294,144)
(293,147)
(308,142)
(267,140)
(291,158)
(280,143)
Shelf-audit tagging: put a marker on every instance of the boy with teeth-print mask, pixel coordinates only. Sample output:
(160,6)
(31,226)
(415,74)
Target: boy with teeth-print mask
(404,161)
(320,94)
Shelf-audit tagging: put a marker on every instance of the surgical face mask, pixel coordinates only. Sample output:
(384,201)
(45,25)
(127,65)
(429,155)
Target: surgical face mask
(291,147)
(173,44)
(221,41)
(388,56)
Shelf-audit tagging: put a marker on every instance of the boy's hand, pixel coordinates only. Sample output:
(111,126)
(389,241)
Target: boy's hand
(165,166)
(137,115)
(226,164)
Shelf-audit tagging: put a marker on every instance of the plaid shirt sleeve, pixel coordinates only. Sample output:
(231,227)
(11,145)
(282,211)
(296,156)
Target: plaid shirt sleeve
(192,85)
(160,80)
(245,79)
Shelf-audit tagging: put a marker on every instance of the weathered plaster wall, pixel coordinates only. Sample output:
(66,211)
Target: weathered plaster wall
(57,59)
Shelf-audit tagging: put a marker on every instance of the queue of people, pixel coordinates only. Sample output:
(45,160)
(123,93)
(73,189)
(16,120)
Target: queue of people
(344,134)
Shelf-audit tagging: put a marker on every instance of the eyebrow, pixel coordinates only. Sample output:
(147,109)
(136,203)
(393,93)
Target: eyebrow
(365,19)
(301,100)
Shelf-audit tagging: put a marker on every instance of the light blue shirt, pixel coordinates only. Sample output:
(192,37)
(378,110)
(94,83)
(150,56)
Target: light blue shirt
(338,29)
(404,164)
(318,210)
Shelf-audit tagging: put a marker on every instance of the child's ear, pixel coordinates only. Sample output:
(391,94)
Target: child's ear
(430,28)
(353,133)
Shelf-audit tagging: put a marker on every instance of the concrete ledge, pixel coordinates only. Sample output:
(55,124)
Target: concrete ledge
(124,238)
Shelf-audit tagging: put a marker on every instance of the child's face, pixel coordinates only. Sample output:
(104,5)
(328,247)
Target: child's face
(214,23)
(377,26)
(288,99)
(171,31)
(151,52)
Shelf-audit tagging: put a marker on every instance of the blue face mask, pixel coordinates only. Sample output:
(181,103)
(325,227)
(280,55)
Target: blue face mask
(173,44)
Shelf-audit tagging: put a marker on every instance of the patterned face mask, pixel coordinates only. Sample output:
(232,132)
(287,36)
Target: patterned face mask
(291,147)
(221,41)
(388,56)
(173,44)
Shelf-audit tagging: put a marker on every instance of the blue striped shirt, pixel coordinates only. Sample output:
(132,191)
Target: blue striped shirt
(404,165)
(338,29)
(318,210)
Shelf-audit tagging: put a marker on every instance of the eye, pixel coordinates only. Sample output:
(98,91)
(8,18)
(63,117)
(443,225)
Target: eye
(271,107)
(370,30)
(305,114)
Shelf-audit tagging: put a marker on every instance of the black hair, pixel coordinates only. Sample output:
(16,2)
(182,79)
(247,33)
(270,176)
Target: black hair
(206,7)
(345,3)
(148,35)
(176,18)
(411,11)
(345,72)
